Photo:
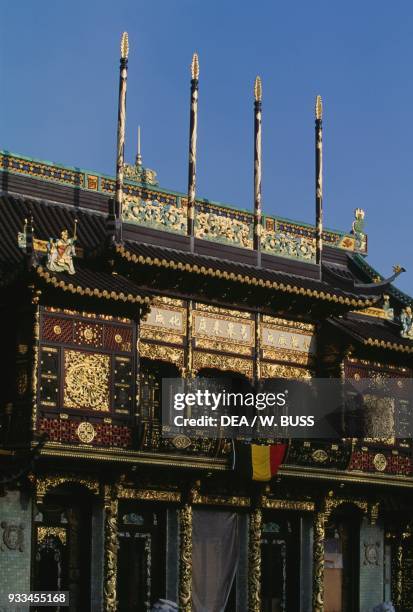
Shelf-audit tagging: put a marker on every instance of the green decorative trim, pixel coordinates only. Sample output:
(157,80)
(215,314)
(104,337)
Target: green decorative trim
(151,206)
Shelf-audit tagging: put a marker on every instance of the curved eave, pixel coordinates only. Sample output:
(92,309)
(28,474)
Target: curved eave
(394,346)
(371,272)
(249,279)
(368,339)
(90,291)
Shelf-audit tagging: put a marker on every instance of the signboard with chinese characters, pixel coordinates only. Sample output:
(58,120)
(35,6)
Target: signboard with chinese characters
(222,332)
(166,321)
(284,340)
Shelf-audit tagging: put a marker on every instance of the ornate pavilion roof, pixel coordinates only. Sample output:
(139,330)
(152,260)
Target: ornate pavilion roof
(153,232)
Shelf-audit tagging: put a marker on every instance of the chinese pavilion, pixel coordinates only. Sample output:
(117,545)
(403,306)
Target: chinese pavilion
(108,285)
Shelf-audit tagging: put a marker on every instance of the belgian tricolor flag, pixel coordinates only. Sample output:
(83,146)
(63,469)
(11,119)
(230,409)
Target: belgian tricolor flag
(259,462)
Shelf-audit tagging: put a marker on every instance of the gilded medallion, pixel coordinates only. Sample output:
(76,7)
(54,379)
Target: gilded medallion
(86,432)
(380,462)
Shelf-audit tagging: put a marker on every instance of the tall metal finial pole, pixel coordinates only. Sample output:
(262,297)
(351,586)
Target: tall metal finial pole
(139,156)
(257,165)
(319,178)
(124,52)
(193,129)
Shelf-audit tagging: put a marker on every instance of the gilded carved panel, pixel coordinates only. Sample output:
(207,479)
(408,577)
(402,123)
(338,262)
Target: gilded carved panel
(223,227)
(86,381)
(222,362)
(276,370)
(223,311)
(278,242)
(162,353)
(154,213)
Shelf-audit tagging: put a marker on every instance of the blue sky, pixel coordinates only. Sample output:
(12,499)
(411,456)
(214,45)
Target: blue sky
(59,82)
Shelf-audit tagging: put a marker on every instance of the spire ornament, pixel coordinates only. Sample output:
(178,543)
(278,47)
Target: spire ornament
(193,134)
(257,165)
(136,172)
(195,66)
(258,89)
(115,215)
(138,155)
(319,178)
(124,46)
(318,108)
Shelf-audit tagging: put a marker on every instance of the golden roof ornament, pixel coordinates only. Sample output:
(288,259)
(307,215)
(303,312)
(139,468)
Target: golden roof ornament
(318,108)
(124,46)
(195,67)
(258,89)
(136,172)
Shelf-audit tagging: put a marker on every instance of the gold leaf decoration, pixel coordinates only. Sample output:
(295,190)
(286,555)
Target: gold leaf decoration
(195,66)
(124,46)
(319,108)
(258,89)
(86,381)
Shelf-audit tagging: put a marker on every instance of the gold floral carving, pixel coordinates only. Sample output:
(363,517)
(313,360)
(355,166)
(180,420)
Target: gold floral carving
(168,301)
(220,500)
(181,442)
(36,337)
(318,561)
(46,532)
(222,362)
(162,353)
(86,432)
(285,323)
(44,484)
(227,347)
(297,357)
(22,380)
(380,462)
(86,381)
(286,504)
(331,503)
(111,551)
(321,517)
(254,561)
(223,311)
(319,455)
(223,229)
(160,336)
(273,370)
(185,558)
(149,495)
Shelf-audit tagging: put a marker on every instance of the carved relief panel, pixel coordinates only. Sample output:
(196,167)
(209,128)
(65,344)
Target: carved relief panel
(379,451)
(86,378)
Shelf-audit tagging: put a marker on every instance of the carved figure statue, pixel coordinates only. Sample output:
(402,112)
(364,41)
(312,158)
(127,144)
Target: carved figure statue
(60,253)
(387,308)
(358,228)
(406,319)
